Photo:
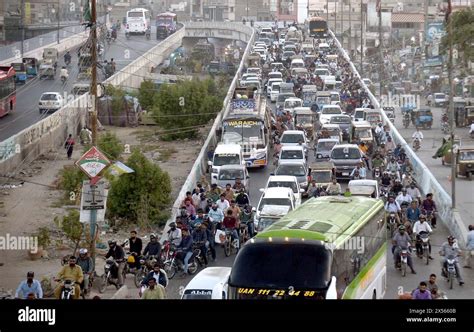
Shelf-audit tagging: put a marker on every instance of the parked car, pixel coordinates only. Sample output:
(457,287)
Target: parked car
(50,102)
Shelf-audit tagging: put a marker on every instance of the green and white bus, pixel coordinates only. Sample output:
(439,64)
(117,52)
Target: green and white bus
(328,248)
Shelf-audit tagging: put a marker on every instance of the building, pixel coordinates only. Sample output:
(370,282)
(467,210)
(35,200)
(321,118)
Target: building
(255,10)
(219,10)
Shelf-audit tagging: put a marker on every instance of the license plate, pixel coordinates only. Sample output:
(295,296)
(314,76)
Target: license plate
(345,174)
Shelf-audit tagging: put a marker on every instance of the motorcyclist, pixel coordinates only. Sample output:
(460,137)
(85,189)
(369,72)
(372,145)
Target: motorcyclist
(414,192)
(117,253)
(114,34)
(246,217)
(385,180)
(401,240)
(136,246)
(185,249)
(413,212)
(238,185)
(174,234)
(428,206)
(242,198)
(201,240)
(403,198)
(160,276)
(392,206)
(153,248)
(377,161)
(71,272)
(417,135)
(421,226)
(334,188)
(215,214)
(397,186)
(450,249)
(87,266)
(230,223)
(67,58)
(394,167)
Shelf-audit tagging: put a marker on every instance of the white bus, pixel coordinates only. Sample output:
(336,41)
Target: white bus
(138,20)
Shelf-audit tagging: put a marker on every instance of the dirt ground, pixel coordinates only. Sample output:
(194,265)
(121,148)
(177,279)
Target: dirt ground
(26,206)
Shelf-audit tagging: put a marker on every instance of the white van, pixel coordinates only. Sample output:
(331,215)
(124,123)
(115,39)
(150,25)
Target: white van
(297,63)
(225,154)
(209,284)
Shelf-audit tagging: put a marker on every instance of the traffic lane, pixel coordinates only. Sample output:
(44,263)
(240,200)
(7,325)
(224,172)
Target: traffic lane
(432,141)
(122,50)
(396,283)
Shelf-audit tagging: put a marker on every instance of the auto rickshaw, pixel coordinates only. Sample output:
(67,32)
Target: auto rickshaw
(374,117)
(32,66)
(322,173)
(390,112)
(465,162)
(422,117)
(329,130)
(304,120)
(448,156)
(469,115)
(85,62)
(50,55)
(459,105)
(20,72)
(80,89)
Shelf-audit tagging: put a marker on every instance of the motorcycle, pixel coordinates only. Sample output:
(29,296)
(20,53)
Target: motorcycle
(173,265)
(200,257)
(392,223)
(377,173)
(403,260)
(416,144)
(127,34)
(445,127)
(110,276)
(148,34)
(67,290)
(423,241)
(449,270)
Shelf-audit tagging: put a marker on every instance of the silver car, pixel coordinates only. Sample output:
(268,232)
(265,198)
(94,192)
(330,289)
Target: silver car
(229,173)
(297,169)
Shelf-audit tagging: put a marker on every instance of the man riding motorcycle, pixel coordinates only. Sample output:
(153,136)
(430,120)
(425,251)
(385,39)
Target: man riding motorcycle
(200,239)
(67,58)
(87,266)
(421,226)
(117,253)
(185,250)
(64,74)
(153,248)
(401,240)
(160,276)
(71,272)
(174,234)
(448,249)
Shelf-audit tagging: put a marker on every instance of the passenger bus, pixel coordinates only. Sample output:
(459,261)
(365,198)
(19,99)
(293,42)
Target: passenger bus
(165,24)
(138,21)
(248,124)
(318,27)
(7,90)
(330,247)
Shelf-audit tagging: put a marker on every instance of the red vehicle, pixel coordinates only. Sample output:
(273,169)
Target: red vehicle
(7,90)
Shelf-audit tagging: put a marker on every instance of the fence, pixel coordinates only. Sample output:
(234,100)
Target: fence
(423,176)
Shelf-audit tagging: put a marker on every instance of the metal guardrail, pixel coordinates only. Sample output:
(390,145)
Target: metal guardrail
(199,166)
(425,179)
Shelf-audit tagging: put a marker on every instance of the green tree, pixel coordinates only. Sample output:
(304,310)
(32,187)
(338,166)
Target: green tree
(146,94)
(149,183)
(109,144)
(70,180)
(71,227)
(118,95)
(462,32)
(181,108)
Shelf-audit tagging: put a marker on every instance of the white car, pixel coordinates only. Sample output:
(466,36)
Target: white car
(367,82)
(210,283)
(293,137)
(275,196)
(291,103)
(275,91)
(285,181)
(255,70)
(440,100)
(270,83)
(328,111)
(275,74)
(295,153)
(50,102)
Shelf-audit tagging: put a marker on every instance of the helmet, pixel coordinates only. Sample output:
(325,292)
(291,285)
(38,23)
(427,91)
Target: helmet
(112,242)
(82,251)
(401,228)
(131,259)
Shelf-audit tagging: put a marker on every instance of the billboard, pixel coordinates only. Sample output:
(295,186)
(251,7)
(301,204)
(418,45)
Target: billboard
(435,30)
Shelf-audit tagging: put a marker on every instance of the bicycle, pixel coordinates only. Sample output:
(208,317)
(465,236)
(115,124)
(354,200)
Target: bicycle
(230,244)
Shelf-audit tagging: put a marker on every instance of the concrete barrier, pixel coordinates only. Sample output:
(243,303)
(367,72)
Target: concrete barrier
(425,179)
(200,165)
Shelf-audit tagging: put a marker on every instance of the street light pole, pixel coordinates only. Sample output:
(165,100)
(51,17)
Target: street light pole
(451,104)
(381,76)
(327,11)
(342,23)
(22,26)
(361,39)
(59,20)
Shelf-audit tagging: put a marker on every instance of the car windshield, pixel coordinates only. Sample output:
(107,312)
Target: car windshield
(363,133)
(325,146)
(292,103)
(291,154)
(345,153)
(49,96)
(374,118)
(284,184)
(274,201)
(335,97)
(292,170)
(231,174)
(265,222)
(323,100)
(284,96)
(331,110)
(303,118)
(439,95)
(321,72)
(322,176)
(292,138)
(340,119)
(467,155)
(274,75)
(226,159)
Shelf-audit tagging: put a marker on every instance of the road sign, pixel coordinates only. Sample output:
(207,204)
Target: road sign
(93,196)
(93,162)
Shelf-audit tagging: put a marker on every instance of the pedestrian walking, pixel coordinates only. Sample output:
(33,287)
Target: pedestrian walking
(69,146)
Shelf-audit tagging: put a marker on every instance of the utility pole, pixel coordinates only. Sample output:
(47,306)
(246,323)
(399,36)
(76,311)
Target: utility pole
(361,38)
(425,5)
(22,27)
(381,76)
(335,18)
(327,11)
(59,18)
(350,26)
(451,105)
(94,110)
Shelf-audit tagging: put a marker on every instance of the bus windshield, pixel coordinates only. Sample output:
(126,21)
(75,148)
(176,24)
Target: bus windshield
(266,270)
(363,133)
(236,131)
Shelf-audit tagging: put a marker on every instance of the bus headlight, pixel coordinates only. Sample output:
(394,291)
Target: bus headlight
(319,156)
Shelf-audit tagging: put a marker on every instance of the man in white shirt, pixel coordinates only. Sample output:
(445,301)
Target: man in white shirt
(223,204)
(421,226)
(414,192)
(393,206)
(417,134)
(403,197)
